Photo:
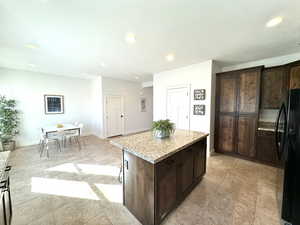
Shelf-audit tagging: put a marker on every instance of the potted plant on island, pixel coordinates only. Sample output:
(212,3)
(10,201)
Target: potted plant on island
(163,128)
(9,122)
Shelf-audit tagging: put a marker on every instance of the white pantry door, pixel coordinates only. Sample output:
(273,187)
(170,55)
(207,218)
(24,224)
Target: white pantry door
(178,105)
(114,115)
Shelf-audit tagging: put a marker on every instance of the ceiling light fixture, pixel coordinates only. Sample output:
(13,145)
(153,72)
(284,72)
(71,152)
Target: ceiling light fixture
(31,65)
(32,46)
(170,57)
(274,22)
(136,77)
(130,38)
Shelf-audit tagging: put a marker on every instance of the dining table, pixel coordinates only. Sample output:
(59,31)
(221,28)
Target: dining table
(65,127)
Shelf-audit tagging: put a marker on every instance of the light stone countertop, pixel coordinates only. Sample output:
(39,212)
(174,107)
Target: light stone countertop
(3,162)
(153,150)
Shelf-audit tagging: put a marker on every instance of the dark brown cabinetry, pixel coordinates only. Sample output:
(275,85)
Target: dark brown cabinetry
(274,87)
(241,96)
(266,148)
(294,72)
(237,104)
(246,137)
(151,191)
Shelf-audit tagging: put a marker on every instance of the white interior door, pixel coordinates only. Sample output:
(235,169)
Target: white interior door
(114,115)
(178,105)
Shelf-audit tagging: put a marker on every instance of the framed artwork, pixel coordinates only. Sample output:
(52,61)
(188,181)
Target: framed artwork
(199,94)
(199,110)
(143,105)
(54,104)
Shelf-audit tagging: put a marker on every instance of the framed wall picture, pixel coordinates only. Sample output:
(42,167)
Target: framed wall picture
(199,94)
(143,105)
(199,110)
(54,104)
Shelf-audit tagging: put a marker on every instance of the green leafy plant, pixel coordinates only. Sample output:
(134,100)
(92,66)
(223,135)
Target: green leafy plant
(164,127)
(9,119)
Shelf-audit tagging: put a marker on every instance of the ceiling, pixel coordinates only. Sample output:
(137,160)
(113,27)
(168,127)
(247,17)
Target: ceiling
(86,38)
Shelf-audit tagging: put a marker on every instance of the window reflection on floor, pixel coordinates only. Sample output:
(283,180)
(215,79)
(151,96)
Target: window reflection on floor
(76,189)
(78,168)
(112,192)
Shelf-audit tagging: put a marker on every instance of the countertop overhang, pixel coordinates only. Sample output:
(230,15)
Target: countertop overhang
(4,156)
(144,145)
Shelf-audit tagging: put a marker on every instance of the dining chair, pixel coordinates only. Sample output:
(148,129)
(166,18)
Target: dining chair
(75,135)
(45,140)
(44,144)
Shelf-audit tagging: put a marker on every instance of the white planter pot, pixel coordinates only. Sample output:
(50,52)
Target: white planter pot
(161,134)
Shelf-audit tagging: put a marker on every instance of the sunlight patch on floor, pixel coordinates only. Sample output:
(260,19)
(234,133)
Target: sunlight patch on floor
(105,170)
(67,188)
(112,192)
(66,167)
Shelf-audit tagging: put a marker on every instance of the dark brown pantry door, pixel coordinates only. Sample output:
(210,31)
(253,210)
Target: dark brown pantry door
(246,135)
(226,105)
(274,87)
(249,90)
(227,93)
(226,132)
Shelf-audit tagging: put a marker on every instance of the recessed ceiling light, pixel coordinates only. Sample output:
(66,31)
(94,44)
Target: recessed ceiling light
(130,38)
(274,22)
(32,46)
(31,65)
(136,77)
(170,57)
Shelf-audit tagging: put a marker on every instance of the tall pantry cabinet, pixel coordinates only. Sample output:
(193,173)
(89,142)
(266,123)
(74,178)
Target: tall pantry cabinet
(237,111)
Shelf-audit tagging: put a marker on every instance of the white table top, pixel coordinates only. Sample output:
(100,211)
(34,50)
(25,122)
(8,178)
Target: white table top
(66,126)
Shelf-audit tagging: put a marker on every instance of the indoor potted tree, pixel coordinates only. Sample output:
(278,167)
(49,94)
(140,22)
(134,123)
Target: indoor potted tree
(163,128)
(9,122)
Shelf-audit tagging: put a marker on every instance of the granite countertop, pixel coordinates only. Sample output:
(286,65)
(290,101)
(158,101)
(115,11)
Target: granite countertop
(152,149)
(3,162)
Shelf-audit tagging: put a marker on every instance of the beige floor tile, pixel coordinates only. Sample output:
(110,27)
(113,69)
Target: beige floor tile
(67,189)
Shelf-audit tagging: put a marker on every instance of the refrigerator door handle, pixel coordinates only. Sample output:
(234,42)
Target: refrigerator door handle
(278,144)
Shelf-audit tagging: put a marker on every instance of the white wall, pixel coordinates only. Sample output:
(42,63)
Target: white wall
(135,120)
(29,88)
(97,107)
(198,76)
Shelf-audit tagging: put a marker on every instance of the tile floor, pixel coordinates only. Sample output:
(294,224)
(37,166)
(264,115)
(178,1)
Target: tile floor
(80,188)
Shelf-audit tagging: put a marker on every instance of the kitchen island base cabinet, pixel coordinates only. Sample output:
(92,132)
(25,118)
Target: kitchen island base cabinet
(153,190)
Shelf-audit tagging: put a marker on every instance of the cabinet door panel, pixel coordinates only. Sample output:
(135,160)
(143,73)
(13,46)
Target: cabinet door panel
(166,186)
(249,91)
(274,87)
(199,159)
(247,135)
(228,91)
(295,77)
(226,132)
(187,169)
(266,148)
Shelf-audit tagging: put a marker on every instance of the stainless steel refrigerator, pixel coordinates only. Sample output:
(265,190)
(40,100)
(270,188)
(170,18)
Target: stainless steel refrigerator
(288,149)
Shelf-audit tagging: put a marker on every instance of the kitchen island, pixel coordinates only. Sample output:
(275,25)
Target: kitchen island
(159,173)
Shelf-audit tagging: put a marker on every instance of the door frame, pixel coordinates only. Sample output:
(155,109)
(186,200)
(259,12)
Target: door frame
(106,114)
(188,87)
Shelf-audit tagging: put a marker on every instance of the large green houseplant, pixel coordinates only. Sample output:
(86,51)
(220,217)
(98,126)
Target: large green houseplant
(163,128)
(9,122)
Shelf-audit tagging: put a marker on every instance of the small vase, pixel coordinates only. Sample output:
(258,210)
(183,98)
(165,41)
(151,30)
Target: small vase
(161,134)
